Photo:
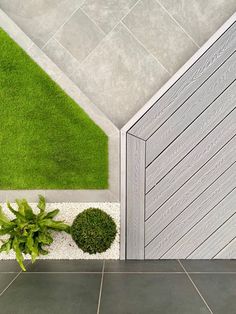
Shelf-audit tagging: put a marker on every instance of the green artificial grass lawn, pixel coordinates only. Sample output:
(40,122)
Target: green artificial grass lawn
(46,140)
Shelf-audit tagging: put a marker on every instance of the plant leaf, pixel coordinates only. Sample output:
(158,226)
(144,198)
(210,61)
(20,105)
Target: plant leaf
(56,225)
(3,218)
(41,204)
(19,256)
(52,214)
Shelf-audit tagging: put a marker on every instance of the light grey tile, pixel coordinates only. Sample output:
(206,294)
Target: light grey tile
(40,19)
(29,195)
(200,18)
(107,13)
(79,35)
(119,76)
(150,23)
(61,56)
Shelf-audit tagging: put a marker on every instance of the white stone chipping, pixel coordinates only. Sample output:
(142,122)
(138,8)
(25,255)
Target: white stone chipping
(63,246)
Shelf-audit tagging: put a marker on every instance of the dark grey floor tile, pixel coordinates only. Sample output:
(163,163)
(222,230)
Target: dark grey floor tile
(209,265)
(10,266)
(66,266)
(5,279)
(219,291)
(143,266)
(52,293)
(150,293)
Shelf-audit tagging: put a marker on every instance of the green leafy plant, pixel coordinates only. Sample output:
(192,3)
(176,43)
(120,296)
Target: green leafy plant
(28,232)
(93,230)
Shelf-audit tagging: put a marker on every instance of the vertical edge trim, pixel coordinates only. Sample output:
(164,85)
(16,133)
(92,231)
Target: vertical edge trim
(135,200)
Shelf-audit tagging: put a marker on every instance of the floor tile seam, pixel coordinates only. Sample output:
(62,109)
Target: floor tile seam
(66,50)
(146,49)
(178,24)
(92,20)
(101,286)
(195,287)
(62,25)
(109,33)
(11,282)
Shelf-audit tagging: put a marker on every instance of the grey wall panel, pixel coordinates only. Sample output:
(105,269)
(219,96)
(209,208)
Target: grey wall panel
(192,215)
(191,109)
(173,181)
(135,197)
(209,224)
(186,85)
(219,239)
(190,191)
(191,137)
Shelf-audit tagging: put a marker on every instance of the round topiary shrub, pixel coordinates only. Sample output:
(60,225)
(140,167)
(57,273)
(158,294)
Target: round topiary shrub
(93,230)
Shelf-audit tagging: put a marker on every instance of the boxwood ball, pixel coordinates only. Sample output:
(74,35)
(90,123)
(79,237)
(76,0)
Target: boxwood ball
(93,231)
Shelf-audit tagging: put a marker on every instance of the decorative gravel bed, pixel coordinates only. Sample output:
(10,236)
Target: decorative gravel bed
(63,246)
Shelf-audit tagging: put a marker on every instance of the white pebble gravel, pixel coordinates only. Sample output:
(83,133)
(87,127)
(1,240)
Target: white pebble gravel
(63,246)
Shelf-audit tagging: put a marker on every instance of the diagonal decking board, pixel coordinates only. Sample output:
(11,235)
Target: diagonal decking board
(180,186)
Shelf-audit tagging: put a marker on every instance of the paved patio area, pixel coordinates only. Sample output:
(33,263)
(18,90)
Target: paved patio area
(119,52)
(118,287)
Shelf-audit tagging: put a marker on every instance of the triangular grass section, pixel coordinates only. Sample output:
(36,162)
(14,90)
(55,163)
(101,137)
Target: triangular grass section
(46,140)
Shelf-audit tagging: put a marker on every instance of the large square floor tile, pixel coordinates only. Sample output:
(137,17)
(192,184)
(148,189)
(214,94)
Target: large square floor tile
(142,266)
(219,291)
(66,266)
(200,18)
(52,293)
(79,35)
(40,19)
(119,76)
(209,265)
(159,33)
(149,293)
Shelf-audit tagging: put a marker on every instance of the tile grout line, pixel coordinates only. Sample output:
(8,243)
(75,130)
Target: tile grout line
(149,52)
(196,288)
(66,50)
(92,20)
(4,290)
(110,32)
(60,27)
(176,22)
(101,286)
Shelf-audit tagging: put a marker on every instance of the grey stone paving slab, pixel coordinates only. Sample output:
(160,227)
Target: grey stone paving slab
(65,293)
(66,266)
(61,56)
(160,34)
(107,13)
(209,265)
(218,290)
(119,76)
(40,19)
(150,293)
(79,35)
(5,280)
(200,18)
(143,266)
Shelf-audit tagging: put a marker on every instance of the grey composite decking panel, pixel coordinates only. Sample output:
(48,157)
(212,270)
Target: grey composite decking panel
(190,191)
(209,224)
(211,247)
(186,85)
(191,137)
(228,252)
(192,214)
(135,197)
(197,235)
(191,109)
(191,164)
